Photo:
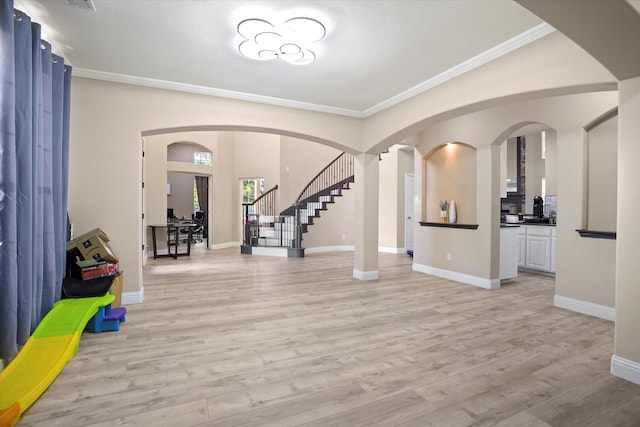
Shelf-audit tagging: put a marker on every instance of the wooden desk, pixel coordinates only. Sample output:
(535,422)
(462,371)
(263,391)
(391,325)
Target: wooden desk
(173,238)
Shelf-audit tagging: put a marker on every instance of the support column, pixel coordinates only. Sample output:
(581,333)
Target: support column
(625,362)
(366,214)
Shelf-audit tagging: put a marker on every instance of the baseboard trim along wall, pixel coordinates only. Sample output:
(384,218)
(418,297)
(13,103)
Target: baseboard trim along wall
(388,250)
(366,275)
(480,282)
(224,245)
(133,297)
(269,251)
(625,369)
(585,307)
(319,249)
(382,249)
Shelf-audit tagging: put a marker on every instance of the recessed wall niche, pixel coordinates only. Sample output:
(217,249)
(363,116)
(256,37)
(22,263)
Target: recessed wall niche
(450,174)
(602,179)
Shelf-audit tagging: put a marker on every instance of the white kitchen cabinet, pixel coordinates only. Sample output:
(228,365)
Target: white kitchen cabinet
(508,252)
(539,253)
(537,248)
(522,252)
(553,250)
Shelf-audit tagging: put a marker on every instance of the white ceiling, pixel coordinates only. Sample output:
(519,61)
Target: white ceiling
(375,52)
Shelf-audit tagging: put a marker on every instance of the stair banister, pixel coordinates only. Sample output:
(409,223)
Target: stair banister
(340,169)
(263,205)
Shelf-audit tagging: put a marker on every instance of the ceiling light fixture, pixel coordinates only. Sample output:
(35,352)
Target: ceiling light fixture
(289,41)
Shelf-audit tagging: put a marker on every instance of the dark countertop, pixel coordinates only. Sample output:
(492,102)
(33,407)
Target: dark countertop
(517,224)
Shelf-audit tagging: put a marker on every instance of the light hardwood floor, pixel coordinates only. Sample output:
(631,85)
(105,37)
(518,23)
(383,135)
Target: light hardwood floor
(224,339)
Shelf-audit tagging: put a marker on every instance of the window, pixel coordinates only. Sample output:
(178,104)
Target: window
(202,158)
(196,201)
(252,188)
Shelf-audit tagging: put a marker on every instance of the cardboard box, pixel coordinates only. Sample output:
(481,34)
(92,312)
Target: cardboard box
(116,290)
(93,245)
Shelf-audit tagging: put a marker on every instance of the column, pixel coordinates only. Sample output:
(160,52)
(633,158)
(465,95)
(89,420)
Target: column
(625,362)
(366,216)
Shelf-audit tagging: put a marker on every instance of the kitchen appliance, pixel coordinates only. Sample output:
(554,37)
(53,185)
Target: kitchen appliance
(538,207)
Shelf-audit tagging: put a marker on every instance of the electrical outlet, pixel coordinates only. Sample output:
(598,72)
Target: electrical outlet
(449,256)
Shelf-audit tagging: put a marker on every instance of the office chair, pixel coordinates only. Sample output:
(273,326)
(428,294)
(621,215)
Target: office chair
(198,232)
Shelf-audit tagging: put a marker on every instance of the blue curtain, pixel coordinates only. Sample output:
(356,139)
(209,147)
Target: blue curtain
(34,152)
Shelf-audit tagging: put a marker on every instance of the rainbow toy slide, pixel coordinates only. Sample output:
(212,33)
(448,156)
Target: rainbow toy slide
(53,344)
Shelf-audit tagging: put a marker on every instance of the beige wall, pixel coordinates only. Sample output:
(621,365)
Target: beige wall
(391,211)
(257,155)
(535,169)
(478,254)
(551,65)
(585,267)
(225,217)
(602,170)
(551,163)
(627,344)
(300,162)
(450,174)
(181,197)
(108,120)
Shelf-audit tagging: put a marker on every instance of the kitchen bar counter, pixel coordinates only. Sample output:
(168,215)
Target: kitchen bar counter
(517,224)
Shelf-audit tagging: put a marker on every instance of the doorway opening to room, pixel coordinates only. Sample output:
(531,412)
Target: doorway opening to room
(188,204)
(250,190)
(176,197)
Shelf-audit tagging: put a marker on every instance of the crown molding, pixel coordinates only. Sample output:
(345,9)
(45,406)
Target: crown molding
(504,48)
(495,52)
(203,90)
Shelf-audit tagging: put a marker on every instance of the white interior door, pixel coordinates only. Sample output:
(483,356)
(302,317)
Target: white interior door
(408,211)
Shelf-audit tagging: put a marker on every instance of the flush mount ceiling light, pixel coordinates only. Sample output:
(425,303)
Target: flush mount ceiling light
(289,41)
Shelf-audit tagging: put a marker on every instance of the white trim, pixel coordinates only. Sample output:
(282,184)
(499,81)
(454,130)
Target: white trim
(625,369)
(225,245)
(585,307)
(388,250)
(133,297)
(209,91)
(495,52)
(270,251)
(480,282)
(319,249)
(366,275)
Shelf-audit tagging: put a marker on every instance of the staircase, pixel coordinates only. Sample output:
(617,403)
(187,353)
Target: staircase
(269,233)
(322,190)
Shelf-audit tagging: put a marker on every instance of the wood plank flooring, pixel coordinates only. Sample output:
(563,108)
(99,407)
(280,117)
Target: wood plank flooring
(224,339)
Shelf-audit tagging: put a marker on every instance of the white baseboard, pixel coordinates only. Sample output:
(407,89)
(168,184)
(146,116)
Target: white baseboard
(319,249)
(224,245)
(366,275)
(585,307)
(625,369)
(347,248)
(133,297)
(388,250)
(480,282)
(270,251)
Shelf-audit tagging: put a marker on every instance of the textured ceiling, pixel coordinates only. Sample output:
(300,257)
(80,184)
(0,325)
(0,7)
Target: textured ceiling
(373,53)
